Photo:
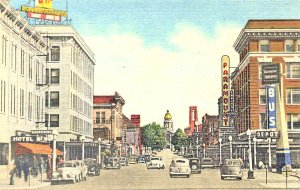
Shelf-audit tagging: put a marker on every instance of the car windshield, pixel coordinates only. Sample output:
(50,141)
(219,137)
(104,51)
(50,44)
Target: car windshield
(154,158)
(65,165)
(88,162)
(180,161)
(207,160)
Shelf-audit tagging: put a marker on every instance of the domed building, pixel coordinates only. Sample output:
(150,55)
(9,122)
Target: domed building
(168,123)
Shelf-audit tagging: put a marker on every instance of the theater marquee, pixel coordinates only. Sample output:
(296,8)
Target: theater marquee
(225,63)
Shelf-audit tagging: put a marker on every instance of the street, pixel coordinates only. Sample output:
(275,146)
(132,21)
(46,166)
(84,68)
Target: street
(137,176)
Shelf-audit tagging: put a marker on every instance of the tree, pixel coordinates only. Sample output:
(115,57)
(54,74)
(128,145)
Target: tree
(179,139)
(153,136)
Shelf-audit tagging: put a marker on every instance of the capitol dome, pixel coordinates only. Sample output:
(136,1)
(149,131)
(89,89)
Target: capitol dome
(168,116)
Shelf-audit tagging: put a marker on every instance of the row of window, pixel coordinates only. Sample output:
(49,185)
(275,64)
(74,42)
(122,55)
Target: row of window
(80,85)
(293,121)
(103,119)
(292,96)
(289,46)
(19,101)
(83,63)
(18,59)
(79,125)
(292,70)
(81,106)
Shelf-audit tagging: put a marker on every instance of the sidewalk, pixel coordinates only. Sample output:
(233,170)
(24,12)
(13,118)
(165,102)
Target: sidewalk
(275,180)
(32,183)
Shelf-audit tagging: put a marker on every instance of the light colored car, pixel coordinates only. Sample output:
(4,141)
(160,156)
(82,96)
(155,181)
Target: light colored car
(113,163)
(66,171)
(231,168)
(132,159)
(124,161)
(93,166)
(180,167)
(83,169)
(156,163)
(207,163)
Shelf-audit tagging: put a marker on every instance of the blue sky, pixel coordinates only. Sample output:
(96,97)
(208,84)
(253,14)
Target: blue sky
(165,54)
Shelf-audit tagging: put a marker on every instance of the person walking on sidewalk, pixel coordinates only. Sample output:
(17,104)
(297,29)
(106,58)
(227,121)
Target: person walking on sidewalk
(26,169)
(12,173)
(34,167)
(19,163)
(48,167)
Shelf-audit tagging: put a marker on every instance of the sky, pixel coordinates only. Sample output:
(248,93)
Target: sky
(165,54)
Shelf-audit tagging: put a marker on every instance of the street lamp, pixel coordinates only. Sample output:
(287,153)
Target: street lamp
(269,150)
(254,144)
(111,118)
(54,133)
(82,152)
(203,150)
(197,135)
(99,151)
(250,172)
(230,145)
(220,141)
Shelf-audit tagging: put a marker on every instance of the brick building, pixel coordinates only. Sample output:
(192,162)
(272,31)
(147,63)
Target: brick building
(210,129)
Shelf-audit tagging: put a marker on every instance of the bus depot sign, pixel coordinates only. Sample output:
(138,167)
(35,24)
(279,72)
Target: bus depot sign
(225,63)
(267,134)
(271,93)
(270,74)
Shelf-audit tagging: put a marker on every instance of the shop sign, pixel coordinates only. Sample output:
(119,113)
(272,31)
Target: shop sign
(271,93)
(225,64)
(41,132)
(270,74)
(267,134)
(23,139)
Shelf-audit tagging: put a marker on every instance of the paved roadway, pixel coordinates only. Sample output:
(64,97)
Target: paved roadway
(137,176)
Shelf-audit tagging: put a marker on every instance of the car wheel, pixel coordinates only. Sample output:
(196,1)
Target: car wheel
(163,167)
(171,176)
(188,176)
(77,179)
(222,177)
(239,178)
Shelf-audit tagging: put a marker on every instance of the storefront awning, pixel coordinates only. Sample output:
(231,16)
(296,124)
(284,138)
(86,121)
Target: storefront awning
(30,148)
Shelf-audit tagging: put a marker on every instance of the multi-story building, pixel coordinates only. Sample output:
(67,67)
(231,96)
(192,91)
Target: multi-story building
(70,78)
(210,130)
(107,115)
(22,71)
(268,42)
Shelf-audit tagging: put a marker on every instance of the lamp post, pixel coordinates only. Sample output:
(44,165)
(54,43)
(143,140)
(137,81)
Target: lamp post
(220,141)
(250,172)
(269,150)
(82,147)
(99,151)
(230,145)
(111,118)
(54,133)
(197,135)
(203,150)
(254,146)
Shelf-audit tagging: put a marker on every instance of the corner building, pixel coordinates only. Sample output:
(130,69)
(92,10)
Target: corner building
(268,42)
(70,79)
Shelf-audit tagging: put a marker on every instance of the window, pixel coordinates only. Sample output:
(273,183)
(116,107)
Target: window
(97,117)
(51,120)
(264,45)
(262,96)
(54,76)
(46,120)
(263,121)
(292,70)
(13,99)
(4,153)
(30,67)
(29,105)
(3,96)
(46,99)
(103,117)
(289,45)
(4,50)
(22,99)
(13,64)
(293,96)
(47,76)
(55,53)
(54,99)
(293,121)
(22,68)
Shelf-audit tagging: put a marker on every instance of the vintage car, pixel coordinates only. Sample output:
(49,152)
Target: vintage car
(156,163)
(124,161)
(93,166)
(132,159)
(141,159)
(83,169)
(195,165)
(231,168)
(66,171)
(180,167)
(207,163)
(113,163)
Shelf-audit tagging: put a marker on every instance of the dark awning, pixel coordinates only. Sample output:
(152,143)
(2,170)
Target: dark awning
(30,148)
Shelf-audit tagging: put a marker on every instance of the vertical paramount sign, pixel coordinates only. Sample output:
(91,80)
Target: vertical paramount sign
(225,63)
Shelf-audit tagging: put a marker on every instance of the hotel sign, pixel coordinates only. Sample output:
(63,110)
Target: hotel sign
(23,139)
(225,63)
(270,74)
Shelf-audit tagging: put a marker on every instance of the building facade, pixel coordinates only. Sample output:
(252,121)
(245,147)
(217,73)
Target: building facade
(108,117)
(22,71)
(266,42)
(70,83)
(210,130)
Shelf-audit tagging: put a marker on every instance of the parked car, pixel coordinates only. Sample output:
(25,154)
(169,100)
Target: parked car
(124,161)
(195,165)
(93,166)
(207,163)
(83,169)
(156,162)
(180,167)
(113,163)
(231,168)
(66,171)
(132,159)
(141,159)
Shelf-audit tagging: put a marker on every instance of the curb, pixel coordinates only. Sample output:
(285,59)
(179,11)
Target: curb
(8,187)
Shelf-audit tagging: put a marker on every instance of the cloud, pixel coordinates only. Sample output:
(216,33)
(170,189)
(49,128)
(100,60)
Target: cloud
(153,79)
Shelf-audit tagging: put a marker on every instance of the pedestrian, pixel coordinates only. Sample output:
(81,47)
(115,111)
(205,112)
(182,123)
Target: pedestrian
(34,166)
(48,167)
(26,166)
(241,161)
(260,165)
(12,173)
(19,166)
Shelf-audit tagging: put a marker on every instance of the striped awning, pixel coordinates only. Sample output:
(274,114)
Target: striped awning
(31,148)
